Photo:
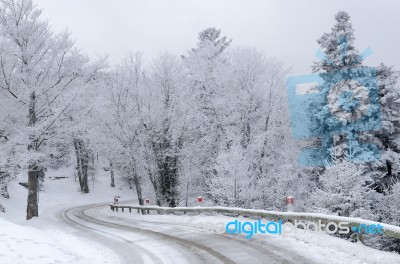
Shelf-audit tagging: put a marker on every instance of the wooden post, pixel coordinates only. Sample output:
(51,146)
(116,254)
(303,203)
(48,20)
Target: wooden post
(360,238)
(116,208)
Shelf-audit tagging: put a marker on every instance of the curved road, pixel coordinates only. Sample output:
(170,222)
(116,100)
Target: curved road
(154,242)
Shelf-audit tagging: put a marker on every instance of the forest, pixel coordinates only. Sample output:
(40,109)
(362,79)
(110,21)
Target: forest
(212,122)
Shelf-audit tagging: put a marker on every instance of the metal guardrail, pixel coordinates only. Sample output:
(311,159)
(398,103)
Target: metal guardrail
(388,230)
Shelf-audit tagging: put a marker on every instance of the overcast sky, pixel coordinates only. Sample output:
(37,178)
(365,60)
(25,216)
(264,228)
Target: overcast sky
(287,30)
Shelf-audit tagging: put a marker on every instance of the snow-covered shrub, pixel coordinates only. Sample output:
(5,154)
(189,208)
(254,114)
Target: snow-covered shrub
(343,191)
(232,183)
(386,207)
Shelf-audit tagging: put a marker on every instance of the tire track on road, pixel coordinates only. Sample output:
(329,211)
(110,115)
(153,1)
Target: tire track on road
(203,253)
(125,253)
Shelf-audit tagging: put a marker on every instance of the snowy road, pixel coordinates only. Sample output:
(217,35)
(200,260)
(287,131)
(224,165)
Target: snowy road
(154,242)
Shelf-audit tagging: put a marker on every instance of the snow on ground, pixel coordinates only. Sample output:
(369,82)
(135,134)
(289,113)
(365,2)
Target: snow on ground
(319,246)
(25,244)
(44,239)
(61,193)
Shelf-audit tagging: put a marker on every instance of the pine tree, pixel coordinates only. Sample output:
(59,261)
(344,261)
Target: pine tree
(341,100)
(338,47)
(386,170)
(347,103)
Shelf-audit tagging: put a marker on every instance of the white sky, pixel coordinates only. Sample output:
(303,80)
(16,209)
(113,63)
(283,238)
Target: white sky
(285,29)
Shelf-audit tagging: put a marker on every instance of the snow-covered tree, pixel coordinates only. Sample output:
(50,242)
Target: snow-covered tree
(386,170)
(164,123)
(353,100)
(254,147)
(41,74)
(345,104)
(121,125)
(338,46)
(234,182)
(205,66)
(343,190)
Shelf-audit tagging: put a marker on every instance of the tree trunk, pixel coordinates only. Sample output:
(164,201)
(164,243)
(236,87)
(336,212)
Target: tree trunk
(153,179)
(4,190)
(168,172)
(32,208)
(245,135)
(169,180)
(156,189)
(78,161)
(139,192)
(389,168)
(85,169)
(187,195)
(3,185)
(82,166)
(112,174)
(138,187)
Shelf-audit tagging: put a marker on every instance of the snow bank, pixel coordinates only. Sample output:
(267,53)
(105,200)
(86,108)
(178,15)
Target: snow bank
(388,230)
(47,239)
(316,246)
(23,244)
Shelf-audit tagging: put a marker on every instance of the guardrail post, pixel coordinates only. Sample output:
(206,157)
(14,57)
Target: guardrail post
(147,202)
(122,209)
(199,201)
(130,210)
(289,203)
(116,208)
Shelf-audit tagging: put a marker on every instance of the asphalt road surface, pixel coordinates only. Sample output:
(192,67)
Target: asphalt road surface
(154,242)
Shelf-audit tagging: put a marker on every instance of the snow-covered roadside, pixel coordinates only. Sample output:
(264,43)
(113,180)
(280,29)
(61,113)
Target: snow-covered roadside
(63,193)
(317,246)
(47,239)
(25,244)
